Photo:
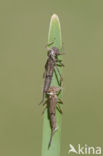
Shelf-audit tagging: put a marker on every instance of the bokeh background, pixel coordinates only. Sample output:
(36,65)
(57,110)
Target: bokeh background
(24,28)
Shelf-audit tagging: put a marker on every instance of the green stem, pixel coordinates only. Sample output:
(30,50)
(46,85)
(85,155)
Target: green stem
(54,150)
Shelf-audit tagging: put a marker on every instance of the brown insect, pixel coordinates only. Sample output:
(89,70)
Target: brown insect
(52,104)
(49,68)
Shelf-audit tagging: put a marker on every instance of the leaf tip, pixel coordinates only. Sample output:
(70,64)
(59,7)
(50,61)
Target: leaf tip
(55,16)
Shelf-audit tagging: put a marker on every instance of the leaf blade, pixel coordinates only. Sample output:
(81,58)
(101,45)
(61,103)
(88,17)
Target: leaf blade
(54,150)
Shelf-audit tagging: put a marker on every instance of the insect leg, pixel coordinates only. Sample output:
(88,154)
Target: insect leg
(61,79)
(60,64)
(49,43)
(59,109)
(58,60)
(45,107)
(60,101)
(42,98)
(47,46)
(45,103)
(62,53)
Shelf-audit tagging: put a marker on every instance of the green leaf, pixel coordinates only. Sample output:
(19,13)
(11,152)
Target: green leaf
(54,150)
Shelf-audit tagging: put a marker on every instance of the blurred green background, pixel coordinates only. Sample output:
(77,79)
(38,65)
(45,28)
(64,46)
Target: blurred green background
(24,28)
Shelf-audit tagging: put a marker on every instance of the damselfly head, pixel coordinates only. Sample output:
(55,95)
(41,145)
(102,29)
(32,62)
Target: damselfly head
(56,50)
(53,52)
(53,90)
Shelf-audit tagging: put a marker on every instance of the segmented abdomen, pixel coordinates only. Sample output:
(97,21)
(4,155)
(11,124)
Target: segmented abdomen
(52,111)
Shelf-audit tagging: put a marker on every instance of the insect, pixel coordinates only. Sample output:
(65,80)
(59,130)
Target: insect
(49,68)
(52,104)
